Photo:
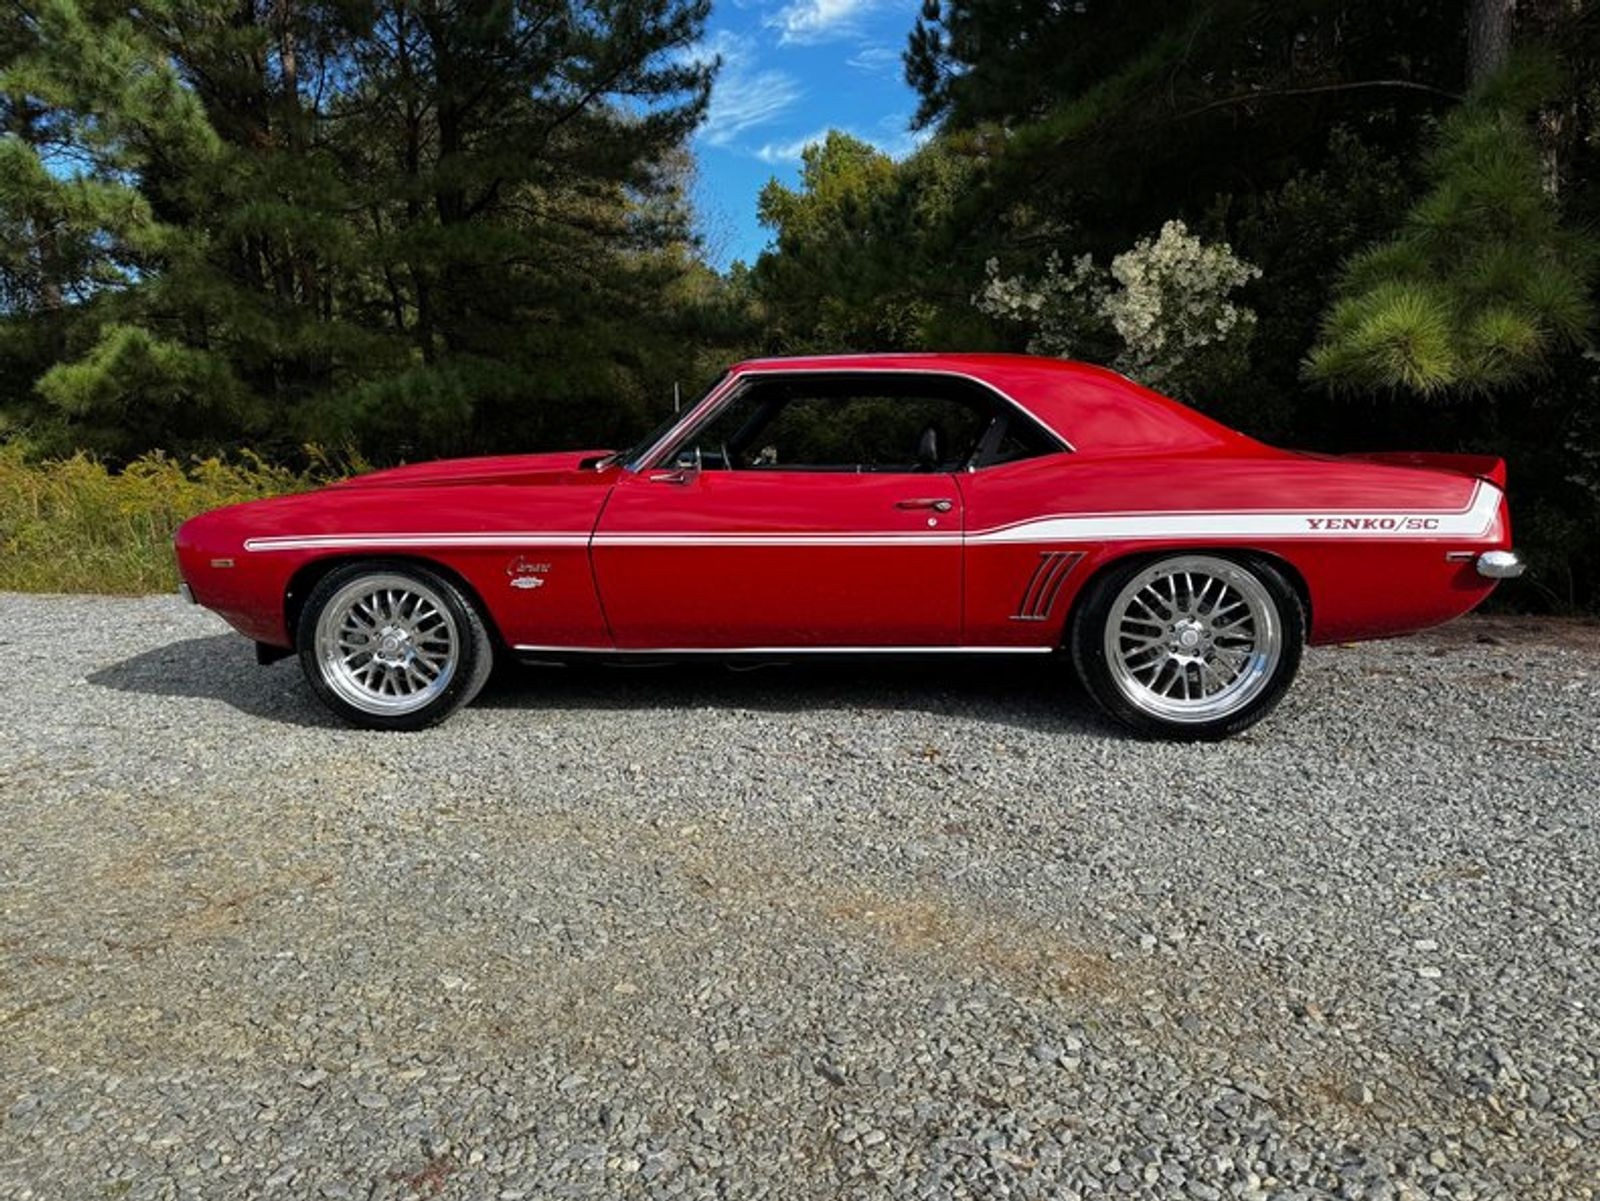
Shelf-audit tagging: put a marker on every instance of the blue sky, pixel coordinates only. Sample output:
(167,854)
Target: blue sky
(792,70)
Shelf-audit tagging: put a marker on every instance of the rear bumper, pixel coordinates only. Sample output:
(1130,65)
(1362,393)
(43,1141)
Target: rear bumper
(1500,564)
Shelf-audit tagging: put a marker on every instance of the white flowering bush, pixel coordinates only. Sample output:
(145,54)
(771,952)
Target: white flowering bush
(1062,309)
(1163,308)
(1172,301)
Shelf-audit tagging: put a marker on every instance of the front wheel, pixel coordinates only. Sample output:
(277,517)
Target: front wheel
(1189,646)
(392,646)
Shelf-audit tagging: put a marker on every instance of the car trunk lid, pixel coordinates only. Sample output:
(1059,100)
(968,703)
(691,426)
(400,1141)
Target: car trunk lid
(1478,467)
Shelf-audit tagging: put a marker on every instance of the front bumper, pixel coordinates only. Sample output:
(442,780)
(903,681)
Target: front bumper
(1500,564)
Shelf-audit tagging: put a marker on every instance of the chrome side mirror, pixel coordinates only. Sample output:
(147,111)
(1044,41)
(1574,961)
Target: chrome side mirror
(685,466)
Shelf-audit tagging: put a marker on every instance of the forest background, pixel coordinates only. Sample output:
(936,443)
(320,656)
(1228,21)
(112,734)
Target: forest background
(248,244)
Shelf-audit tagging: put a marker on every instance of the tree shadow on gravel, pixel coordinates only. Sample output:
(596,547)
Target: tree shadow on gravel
(1036,694)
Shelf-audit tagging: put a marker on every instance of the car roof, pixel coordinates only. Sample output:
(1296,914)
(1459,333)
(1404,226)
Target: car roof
(1091,408)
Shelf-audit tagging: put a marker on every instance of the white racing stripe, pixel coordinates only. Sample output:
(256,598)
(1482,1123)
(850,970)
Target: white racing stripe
(456,538)
(877,538)
(1475,520)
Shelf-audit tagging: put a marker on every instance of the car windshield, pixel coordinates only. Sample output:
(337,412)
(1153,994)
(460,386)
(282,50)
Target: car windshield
(627,457)
(643,444)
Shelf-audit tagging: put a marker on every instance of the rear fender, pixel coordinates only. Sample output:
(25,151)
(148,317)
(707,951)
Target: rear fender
(1112,558)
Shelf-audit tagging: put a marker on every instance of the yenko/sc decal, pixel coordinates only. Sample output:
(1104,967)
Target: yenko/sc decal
(1390,524)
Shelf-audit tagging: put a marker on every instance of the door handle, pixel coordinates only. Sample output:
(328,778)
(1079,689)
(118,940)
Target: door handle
(937,503)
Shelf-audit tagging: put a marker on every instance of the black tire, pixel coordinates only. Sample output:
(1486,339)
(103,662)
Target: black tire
(1271,601)
(470,656)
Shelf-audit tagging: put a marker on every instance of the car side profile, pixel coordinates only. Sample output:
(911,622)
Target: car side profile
(869,504)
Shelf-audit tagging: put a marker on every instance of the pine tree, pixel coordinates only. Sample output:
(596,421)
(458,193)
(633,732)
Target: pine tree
(1114,117)
(71,225)
(513,164)
(427,226)
(1483,284)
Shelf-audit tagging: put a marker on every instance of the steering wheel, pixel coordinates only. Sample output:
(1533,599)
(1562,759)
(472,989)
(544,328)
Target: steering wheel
(727,459)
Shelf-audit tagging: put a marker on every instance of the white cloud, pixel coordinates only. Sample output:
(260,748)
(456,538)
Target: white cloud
(896,143)
(744,102)
(805,21)
(780,153)
(734,49)
(876,59)
(742,97)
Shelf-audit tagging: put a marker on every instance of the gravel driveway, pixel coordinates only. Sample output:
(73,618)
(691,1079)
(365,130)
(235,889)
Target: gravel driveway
(832,932)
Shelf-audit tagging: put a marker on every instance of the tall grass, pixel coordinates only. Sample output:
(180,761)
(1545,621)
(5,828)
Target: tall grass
(73,525)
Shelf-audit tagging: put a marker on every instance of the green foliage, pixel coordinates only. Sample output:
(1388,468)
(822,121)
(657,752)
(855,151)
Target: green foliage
(1110,118)
(429,230)
(134,387)
(73,525)
(1397,332)
(1483,283)
(1300,233)
(423,229)
(866,254)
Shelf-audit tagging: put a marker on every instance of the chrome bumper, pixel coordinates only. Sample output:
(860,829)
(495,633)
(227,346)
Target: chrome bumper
(1501,564)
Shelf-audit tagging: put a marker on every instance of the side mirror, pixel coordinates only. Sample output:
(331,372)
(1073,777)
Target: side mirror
(685,467)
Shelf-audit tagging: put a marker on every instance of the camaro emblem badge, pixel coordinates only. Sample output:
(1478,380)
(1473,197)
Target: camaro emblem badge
(525,573)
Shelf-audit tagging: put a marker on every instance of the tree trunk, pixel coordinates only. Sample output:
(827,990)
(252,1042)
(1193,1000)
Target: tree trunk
(1559,125)
(411,164)
(1488,38)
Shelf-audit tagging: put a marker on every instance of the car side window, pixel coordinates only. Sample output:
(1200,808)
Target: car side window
(1014,438)
(886,423)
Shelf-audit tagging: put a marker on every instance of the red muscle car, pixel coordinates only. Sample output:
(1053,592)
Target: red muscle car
(869,504)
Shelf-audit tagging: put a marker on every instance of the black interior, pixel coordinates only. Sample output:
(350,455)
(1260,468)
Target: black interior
(863,422)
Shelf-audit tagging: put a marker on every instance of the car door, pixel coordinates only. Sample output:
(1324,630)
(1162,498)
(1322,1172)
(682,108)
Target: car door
(796,529)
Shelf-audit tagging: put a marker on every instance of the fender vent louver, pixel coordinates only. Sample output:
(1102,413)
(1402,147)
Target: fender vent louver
(1039,597)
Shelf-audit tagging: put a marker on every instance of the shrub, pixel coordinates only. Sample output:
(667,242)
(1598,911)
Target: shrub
(1165,305)
(75,525)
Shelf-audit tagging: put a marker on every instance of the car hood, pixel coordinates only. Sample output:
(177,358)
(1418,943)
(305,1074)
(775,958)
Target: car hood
(422,498)
(556,468)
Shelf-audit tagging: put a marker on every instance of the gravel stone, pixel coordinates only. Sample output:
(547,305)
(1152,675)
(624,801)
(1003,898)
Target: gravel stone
(862,931)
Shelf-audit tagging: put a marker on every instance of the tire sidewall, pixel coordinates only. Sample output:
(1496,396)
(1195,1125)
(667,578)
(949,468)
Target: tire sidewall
(474,648)
(1086,636)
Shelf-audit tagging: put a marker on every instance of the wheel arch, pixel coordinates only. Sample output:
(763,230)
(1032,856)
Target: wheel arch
(309,574)
(1287,569)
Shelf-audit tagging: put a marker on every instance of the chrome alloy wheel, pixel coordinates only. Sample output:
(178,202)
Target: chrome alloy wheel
(387,644)
(1193,638)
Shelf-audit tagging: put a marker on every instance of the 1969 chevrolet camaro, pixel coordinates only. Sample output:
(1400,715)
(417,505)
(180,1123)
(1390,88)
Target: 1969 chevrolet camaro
(954,503)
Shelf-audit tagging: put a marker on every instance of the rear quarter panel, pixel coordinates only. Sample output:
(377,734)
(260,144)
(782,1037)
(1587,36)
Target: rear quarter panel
(1366,540)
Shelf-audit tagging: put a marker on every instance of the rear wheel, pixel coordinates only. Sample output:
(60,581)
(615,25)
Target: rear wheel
(1189,646)
(392,646)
